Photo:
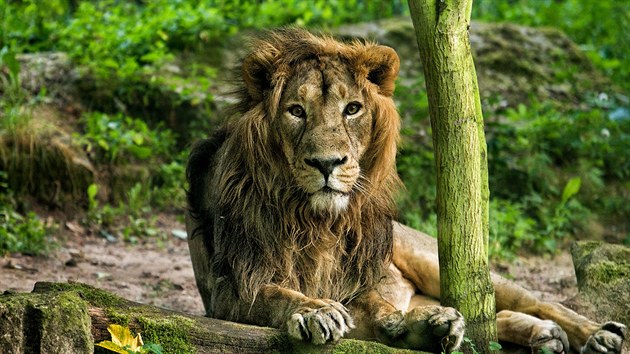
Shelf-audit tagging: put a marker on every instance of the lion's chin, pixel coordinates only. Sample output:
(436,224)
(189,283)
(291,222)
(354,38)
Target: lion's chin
(333,203)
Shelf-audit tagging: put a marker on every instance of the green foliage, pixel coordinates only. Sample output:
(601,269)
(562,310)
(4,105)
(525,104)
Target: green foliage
(11,82)
(128,46)
(470,346)
(12,110)
(494,346)
(552,173)
(132,34)
(511,229)
(26,234)
(257,14)
(120,139)
(130,220)
(22,233)
(168,185)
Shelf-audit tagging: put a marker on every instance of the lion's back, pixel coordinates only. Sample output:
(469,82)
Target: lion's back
(199,171)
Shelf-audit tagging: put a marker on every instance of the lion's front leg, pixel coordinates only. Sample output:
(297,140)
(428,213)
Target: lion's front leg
(313,320)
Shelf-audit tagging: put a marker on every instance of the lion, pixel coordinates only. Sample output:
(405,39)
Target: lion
(291,217)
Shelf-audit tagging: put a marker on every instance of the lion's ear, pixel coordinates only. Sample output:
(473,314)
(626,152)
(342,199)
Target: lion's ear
(256,71)
(379,65)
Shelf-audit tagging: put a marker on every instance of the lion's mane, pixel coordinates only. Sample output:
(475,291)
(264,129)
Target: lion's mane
(255,221)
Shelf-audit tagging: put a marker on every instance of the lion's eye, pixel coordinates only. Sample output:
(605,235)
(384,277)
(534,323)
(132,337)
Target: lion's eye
(352,108)
(297,111)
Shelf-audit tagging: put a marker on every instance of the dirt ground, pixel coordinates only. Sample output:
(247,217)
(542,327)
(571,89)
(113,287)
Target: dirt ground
(158,271)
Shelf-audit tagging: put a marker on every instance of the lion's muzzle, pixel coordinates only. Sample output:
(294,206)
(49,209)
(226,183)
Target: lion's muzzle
(326,166)
(329,180)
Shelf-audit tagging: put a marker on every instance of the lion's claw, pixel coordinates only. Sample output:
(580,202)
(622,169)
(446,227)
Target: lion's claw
(320,325)
(448,324)
(608,339)
(550,336)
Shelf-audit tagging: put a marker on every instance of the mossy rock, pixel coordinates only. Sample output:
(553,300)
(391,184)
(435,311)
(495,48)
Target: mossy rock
(600,266)
(603,276)
(70,318)
(53,73)
(514,63)
(45,323)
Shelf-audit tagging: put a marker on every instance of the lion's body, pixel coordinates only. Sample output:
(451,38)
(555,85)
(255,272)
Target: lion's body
(292,208)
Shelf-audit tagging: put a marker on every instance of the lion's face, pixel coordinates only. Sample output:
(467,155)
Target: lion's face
(326,107)
(324,126)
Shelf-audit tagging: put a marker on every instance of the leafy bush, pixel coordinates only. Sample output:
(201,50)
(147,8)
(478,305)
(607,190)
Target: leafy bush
(130,220)
(25,234)
(537,147)
(122,43)
(553,173)
(168,185)
(510,228)
(120,139)
(13,105)
(20,233)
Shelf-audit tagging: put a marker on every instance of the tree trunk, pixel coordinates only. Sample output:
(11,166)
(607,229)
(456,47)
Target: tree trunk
(441,28)
(70,318)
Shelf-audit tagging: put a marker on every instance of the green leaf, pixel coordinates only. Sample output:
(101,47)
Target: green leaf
(7,57)
(153,348)
(110,63)
(137,138)
(494,346)
(572,187)
(92,190)
(140,152)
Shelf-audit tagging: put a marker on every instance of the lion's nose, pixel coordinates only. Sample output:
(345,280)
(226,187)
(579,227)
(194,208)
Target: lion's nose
(326,166)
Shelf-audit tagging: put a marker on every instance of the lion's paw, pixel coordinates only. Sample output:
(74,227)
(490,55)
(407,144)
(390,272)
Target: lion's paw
(608,339)
(320,325)
(549,337)
(434,328)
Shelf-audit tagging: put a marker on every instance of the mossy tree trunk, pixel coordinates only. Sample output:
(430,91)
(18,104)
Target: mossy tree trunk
(70,318)
(441,28)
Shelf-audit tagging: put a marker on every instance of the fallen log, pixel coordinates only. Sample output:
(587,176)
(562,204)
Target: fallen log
(71,317)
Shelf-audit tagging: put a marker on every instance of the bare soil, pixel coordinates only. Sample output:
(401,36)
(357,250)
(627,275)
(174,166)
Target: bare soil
(158,271)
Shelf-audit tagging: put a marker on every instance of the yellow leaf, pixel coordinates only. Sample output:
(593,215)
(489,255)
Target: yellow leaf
(111,346)
(122,340)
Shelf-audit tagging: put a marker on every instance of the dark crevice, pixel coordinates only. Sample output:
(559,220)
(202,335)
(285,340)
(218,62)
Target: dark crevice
(32,330)
(440,7)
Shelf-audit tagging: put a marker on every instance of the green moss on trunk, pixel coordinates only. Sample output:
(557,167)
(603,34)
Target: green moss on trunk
(171,332)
